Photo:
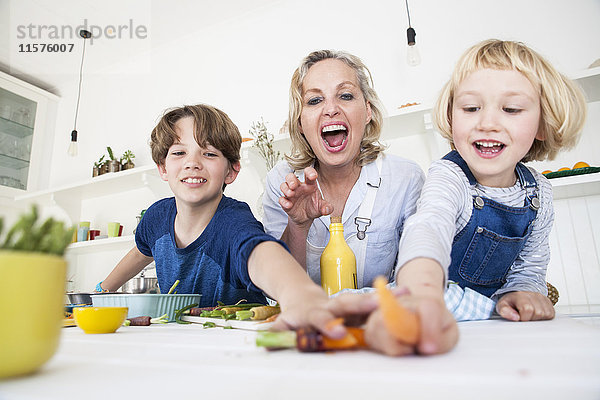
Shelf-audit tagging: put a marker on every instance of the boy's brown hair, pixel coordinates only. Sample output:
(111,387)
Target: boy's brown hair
(211,126)
(563,107)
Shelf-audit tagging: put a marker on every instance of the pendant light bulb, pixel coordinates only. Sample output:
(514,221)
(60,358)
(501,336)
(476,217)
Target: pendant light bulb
(72,151)
(412,52)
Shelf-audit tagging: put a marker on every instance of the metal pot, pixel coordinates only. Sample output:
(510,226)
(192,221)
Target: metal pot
(141,284)
(80,298)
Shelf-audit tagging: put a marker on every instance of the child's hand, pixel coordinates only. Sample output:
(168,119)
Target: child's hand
(438,333)
(525,306)
(302,201)
(319,311)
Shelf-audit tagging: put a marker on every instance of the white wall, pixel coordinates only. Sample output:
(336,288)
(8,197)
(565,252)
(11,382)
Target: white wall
(243,63)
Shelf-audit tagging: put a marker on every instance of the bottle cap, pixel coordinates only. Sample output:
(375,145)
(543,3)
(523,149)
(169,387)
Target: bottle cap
(336,220)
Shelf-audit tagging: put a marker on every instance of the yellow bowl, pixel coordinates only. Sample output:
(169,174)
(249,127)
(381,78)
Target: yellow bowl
(99,319)
(32,317)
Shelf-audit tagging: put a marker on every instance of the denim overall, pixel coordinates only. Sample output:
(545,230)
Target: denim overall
(485,249)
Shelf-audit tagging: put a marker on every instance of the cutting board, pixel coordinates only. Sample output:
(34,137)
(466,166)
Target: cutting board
(247,325)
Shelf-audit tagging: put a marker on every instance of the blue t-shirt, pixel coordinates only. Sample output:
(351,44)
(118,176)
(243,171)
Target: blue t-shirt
(216,263)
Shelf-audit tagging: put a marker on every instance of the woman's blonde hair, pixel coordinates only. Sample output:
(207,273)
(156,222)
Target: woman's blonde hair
(302,154)
(563,106)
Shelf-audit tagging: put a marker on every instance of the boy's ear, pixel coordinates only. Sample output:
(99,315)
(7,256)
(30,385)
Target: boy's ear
(234,170)
(162,171)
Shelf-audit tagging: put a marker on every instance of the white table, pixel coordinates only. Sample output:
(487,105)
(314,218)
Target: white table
(496,359)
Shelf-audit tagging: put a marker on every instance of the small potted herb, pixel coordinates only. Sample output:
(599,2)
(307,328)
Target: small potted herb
(114,165)
(32,279)
(127,160)
(264,143)
(99,167)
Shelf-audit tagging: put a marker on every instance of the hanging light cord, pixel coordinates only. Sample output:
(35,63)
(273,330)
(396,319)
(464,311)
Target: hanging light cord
(79,91)
(408,13)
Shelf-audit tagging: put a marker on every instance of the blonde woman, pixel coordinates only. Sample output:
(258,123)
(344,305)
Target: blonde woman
(337,168)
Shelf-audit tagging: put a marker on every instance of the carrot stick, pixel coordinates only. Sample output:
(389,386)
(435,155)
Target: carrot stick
(347,342)
(359,335)
(399,322)
(333,323)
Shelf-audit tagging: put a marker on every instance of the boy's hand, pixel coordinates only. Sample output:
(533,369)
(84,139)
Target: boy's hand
(438,333)
(302,201)
(525,306)
(316,312)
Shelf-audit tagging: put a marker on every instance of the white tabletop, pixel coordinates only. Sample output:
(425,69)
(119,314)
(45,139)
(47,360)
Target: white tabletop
(494,359)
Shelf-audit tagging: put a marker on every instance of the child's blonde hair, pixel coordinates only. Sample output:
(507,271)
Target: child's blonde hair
(563,107)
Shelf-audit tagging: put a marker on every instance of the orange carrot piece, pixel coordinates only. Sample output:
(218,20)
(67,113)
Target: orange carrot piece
(334,322)
(359,335)
(347,342)
(399,322)
(270,319)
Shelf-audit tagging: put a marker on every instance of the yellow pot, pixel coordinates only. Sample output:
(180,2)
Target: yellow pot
(32,288)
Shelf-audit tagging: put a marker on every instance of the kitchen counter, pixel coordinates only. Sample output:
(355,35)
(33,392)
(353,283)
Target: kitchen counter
(497,359)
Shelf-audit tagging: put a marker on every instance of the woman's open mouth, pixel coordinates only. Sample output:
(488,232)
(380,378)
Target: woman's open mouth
(488,148)
(335,136)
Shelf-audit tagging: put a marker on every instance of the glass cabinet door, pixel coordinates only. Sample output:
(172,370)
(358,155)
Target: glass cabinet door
(17,117)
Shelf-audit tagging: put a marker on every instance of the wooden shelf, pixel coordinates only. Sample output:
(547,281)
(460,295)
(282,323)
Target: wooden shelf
(92,246)
(576,186)
(408,121)
(69,197)
(589,80)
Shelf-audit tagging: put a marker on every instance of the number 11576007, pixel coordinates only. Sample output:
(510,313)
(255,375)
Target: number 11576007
(46,47)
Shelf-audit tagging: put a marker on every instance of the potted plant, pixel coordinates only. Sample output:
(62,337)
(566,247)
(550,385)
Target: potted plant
(32,289)
(113,164)
(127,160)
(99,167)
(264,143)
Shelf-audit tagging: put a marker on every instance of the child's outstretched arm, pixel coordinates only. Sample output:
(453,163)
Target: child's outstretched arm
(420,289)
(129,266)
(525,306)
(303,303)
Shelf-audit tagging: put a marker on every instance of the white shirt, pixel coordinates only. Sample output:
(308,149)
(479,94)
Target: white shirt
(399,190)
(445,208)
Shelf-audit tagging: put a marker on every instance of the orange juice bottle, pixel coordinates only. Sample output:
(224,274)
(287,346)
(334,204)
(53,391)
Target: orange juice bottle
(338,264)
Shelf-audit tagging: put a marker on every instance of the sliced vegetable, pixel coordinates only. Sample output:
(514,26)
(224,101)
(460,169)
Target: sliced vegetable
(276,340)
(209,325)
(257,313)
(309,340)
(163,319)
(244,315)
(264,312)
(173,287)
(399,322)
(179,313)
(139,321)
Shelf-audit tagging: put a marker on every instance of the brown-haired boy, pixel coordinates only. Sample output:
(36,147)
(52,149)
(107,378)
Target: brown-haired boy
(209,242)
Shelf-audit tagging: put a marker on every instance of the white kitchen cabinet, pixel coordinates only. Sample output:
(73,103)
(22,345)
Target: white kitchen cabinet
(27,117)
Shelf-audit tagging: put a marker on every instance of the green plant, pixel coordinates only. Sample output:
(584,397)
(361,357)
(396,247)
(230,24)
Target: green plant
(26,234)
(100,162)
(128,156)
(110,153)
(264,143)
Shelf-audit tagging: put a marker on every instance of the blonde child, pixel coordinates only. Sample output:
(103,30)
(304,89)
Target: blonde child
(483,216)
